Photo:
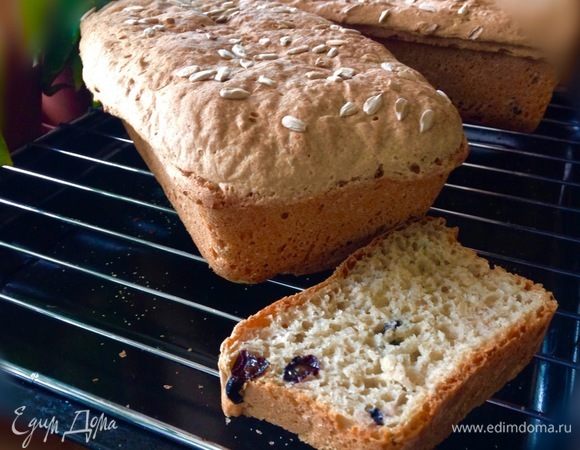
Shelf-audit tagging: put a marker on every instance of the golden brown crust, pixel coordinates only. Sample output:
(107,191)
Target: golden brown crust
(475,380)
(492,89)
(501,26)
(304,236)
(240,151)
(502,78)
(258,197)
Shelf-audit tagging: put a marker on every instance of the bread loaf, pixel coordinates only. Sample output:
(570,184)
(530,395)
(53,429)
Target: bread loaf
(498,60)
(283,141)
(408,335)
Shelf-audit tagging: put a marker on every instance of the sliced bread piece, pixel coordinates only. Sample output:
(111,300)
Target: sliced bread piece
(403,340)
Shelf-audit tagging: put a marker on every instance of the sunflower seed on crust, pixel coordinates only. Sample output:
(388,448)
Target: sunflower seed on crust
(348,9)
(214,12)
(264,41)
(293,124)
(298,50)
(427,8)
(389,67)
(266,56)
(246,63)
(239,51)
(443,94)
(321,62)
(133,8)
(315,75)
(284,9)
(401,108)
(430,29)
(223,74)
(463,10)
(345,73)
(373,104)
(348,109)
(234,93)
(332,52)
(384,14)
(475,33)
(267,81)
(186,71)
(285,41)
(202,75)
(426,121)
(319,48)
(226,54)
(408,74)
(336,42)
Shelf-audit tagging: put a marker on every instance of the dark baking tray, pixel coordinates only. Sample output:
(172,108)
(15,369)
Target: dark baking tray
(94,262)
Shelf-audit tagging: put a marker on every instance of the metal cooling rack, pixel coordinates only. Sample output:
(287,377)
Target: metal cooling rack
(94,262)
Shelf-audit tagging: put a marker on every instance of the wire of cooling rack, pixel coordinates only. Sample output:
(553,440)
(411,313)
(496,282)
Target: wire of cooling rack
(94,263)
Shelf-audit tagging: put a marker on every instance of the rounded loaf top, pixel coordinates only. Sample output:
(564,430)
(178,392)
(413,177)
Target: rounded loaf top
(263,101)
(537,29)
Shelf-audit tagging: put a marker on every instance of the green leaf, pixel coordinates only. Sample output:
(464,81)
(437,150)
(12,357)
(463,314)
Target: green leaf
(34,24)
(5,159)
(61,48)
(4,153)
(77,71)
(62,39)
(100,3)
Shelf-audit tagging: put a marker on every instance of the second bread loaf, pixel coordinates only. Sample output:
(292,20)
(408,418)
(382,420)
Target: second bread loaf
(498,60)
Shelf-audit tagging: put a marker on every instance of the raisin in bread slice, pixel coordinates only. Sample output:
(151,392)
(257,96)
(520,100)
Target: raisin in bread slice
(403,340)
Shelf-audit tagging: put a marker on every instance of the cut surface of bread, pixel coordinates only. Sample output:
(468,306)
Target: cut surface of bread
(409,334)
